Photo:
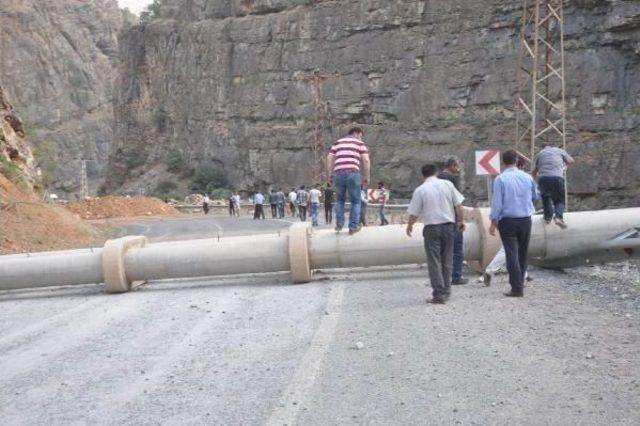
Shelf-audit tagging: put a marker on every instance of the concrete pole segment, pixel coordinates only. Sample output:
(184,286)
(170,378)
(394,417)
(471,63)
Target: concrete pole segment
(208,257)
(375,246)
(127,260)
(51,269)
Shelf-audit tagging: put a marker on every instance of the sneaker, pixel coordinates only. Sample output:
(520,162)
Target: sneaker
(547,221)
(460,281)
(486,279)
(514,294)
(436,301)
(355,231)
(338,228)
(560,223)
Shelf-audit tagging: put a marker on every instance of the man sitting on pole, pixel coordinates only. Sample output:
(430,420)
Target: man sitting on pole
(549,166)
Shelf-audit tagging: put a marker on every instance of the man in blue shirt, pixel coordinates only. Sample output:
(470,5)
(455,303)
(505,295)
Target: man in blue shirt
(514,193)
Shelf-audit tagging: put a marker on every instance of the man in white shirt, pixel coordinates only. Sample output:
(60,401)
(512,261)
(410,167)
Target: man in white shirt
(258,209)
(293,196)
(314,199)
(439,206)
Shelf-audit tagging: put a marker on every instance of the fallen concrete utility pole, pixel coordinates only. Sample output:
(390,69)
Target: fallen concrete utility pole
(591,236)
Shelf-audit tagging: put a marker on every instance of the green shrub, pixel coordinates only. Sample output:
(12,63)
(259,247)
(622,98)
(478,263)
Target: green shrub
(220,194)
(208,177)
(134,157)
(46,155)
(12,172)
(175,161)
(165,186)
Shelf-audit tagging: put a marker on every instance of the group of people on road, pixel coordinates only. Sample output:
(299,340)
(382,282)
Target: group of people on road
(438,203)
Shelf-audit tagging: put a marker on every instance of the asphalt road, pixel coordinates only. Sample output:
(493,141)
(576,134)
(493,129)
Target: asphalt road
(256,350)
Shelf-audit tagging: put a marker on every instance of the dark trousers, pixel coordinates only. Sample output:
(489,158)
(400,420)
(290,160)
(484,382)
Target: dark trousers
(274,211)
(280,210)
(552,193)
(515,234)
(438,243)
(458,255)
(292,207)
(258,212)
(303,213)
(232,209)
(328,213)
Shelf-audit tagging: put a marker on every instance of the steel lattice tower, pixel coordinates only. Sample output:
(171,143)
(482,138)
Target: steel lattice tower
(541,107)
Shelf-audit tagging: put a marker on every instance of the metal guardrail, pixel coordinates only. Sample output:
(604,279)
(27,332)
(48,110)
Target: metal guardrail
(198,207)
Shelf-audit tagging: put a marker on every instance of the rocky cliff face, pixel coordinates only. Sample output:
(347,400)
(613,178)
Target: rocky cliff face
(231,81)
(57,63)
(14,149)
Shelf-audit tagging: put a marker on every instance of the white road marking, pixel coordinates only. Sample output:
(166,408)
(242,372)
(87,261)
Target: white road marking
(305,375)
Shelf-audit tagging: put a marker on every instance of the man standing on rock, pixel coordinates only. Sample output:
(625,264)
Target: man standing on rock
(549,166)
(451,173)
(439,204)
(343,165)
(514,193)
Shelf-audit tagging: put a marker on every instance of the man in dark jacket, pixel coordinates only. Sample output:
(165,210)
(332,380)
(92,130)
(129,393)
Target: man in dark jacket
(451,172)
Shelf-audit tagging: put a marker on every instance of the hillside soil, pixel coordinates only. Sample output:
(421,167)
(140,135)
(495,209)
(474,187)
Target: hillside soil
(113,206)
(29,225)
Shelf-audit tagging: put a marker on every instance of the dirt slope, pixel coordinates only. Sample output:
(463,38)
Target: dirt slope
(28,225)
(112,206)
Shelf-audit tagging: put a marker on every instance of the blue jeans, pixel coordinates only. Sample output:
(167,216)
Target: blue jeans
(458,255)
(383,219)
(315,209)
(348,183)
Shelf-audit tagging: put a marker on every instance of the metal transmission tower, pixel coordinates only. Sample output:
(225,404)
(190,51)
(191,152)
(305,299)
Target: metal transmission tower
(84,184)
(321,120)
(541,107)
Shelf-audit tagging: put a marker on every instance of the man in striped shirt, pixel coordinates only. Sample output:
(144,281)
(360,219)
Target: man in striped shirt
(344,162)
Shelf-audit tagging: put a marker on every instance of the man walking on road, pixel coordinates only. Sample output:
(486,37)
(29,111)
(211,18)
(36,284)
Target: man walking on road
(514,193)
(280,201)
(451,173)
(345,158)
(314,198)
(328,205)
(258,210)
(273,202)
(439,204)
(382,201)
(292,201)
(549,166)
(302,199)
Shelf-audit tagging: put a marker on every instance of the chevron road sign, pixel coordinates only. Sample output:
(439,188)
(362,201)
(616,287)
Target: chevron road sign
(487,163)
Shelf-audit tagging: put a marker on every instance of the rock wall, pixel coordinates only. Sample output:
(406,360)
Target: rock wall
(231,82)
(13,146)
(57,64)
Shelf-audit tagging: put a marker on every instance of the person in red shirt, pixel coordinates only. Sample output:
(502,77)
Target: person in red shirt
(382,200)
(343,165)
